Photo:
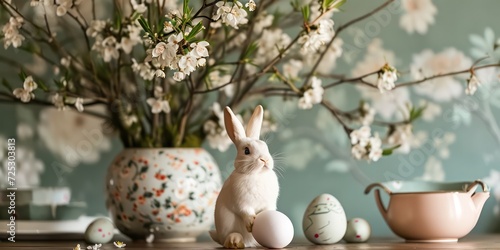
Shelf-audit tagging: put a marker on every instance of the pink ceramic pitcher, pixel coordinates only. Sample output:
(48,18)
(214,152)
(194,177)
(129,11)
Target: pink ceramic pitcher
(421,211)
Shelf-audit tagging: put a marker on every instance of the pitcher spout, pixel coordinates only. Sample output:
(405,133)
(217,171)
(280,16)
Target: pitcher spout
(478,198)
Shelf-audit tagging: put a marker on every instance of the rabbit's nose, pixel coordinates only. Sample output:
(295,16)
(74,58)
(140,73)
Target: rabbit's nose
(265,162)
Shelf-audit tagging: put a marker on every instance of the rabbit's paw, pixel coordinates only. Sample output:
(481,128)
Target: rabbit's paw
(249,222)
(234,241)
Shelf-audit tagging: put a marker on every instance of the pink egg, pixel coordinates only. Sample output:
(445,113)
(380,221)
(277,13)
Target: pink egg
(272,229)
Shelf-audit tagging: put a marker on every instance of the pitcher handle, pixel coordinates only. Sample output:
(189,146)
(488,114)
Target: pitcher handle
(378,199)
(472,187)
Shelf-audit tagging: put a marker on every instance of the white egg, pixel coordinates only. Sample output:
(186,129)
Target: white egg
(324,221)
(272,229)
(358,230)
(100,231)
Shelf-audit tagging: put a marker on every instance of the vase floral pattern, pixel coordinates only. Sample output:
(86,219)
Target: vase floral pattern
(167,192)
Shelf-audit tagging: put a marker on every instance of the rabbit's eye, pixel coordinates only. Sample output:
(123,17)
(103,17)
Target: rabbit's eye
(247,151)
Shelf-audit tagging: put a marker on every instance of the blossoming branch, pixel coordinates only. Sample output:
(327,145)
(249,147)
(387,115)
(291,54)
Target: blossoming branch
(159,71)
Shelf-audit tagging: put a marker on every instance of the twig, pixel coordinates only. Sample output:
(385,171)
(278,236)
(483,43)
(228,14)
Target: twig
(337,32)
(11,99)
(446,74)
(354,79)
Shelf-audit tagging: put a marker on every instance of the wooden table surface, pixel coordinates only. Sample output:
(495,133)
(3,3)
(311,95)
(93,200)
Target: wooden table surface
(470,242)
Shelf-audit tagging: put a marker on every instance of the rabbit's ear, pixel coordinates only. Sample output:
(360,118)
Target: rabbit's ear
(234,127)
(255,123)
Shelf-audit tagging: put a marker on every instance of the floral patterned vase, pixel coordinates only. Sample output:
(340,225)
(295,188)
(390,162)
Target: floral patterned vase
(167,194)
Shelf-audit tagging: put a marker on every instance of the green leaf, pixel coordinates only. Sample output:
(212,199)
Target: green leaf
(145,25)
(251,50)
(144,169)
(185,9)
(42,85)
(389,151)
(306,12)
(331,4)
(196,29)
(22,75)
(416,113)
(6,84)
(148,194)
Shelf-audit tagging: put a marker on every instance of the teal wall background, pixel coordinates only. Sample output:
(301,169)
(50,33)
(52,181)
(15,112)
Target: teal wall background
(326,166)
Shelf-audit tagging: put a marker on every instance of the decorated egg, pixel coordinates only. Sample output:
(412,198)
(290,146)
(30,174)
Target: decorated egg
(324,221)
(101,230)
(272,229)
(358,230)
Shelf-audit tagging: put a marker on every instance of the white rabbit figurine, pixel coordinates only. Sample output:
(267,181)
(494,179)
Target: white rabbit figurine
(251,188)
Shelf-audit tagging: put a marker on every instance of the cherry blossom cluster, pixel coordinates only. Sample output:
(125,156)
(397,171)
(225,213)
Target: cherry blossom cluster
(387,77)
(177,54)
(313,95)
(232,13)
(107,45)
(365,145)
(319,35)
(11,35)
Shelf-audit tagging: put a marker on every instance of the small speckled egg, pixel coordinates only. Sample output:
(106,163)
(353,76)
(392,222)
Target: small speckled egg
(100,231)
(324,221)
(358,230)
(272,229)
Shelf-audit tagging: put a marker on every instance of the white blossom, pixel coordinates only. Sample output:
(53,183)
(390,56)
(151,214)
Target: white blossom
(364,145)
(139,8)
(419,14)
(134,38)
(107,48)
(386,79)
(110,49)
(401,136)
(291,69)
(199,49)
(427,64)
(216,134)
(79,104)
(269,44)
(58,101)
(367,114)
(95,28)
(262,21)
(25,94)
(63,6)
(431,110)
(216,79)
(168,27)
(158,103)
(160,73)
(251,5)
(119,244)
(66,61)
(392,104)
(129,120)
(144,70)
(95,247)
(312,41)
(11,35)
(472,85)
(231,13)
(179,76)
(313,95)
